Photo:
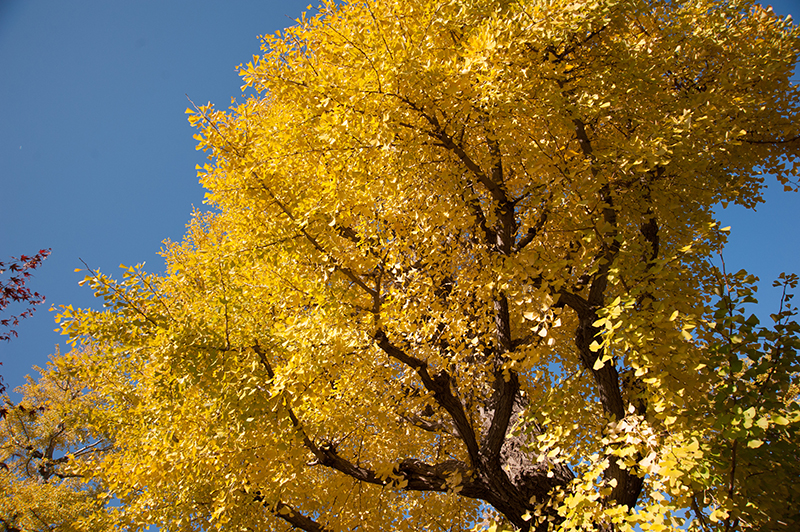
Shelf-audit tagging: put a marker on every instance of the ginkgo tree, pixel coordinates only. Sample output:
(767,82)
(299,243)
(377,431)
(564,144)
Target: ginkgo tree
(462,273)
(41,449)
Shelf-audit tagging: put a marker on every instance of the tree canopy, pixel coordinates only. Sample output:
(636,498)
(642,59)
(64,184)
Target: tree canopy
(463,272)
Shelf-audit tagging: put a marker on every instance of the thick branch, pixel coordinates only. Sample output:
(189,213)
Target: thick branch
(773,141)
(506,386)
(532,232)
(484,479)
(488,234)
(298,520)
(420,477)
(8,526)
(649,230)
(493,184)
(439,386)
(606,378)
(430,425)
(628,484)
(290,514)
(504,234)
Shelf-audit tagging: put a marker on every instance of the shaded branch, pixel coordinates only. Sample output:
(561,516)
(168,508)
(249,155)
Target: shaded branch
(774,141)
(429,425)
(296,519)
(439,386)
(420,477)
(532,232)
(506,386)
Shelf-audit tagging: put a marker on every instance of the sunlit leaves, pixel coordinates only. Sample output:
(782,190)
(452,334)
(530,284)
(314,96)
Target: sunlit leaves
(462,267)
(44,451)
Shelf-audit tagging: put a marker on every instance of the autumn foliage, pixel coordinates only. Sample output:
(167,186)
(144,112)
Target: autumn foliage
(463,273)
(13,290)
(41,445)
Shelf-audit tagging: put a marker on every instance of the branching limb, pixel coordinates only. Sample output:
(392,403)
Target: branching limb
(292,516)
(122,295)
(420,477)
(698,512)
(298,520)
(430,425)
(532,232)
(315,243)
(439,386)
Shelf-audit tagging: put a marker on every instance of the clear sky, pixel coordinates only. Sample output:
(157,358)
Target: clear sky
(97,160)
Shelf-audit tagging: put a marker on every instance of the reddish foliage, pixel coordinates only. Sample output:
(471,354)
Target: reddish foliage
(13,290)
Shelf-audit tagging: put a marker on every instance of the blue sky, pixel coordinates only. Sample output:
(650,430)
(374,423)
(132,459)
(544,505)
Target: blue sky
(97,160)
